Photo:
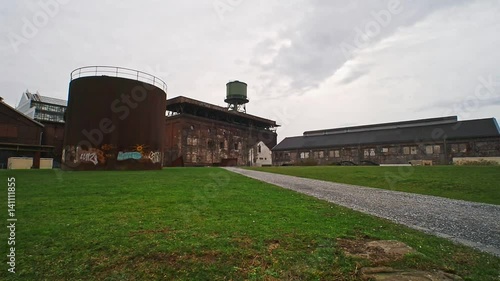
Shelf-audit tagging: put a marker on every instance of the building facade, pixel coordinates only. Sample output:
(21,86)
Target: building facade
(20,136)
(260,155)
(49,112)
(203,134)
(436,141)
(42,108)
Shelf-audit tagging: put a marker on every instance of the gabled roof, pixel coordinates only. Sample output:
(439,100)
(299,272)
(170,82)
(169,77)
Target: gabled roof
(15,111)
(419,133)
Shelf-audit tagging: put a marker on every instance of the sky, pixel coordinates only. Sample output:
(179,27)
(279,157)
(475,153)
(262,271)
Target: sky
(309,64)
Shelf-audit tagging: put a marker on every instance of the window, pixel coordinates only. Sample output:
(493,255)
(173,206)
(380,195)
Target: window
(429,149)
(413,150)
(462,147)
(319,154)
(210,144)
(369,152)
(236,146)
(304,155)
(406,150)
(336,153)
(259,149)
(384,150)
(437,149)
(221,145)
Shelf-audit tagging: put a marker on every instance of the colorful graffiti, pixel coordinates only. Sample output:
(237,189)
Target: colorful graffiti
(74,155)
(128,155)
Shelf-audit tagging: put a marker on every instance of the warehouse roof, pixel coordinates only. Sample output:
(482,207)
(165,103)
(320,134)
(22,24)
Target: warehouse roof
(184,105)
(45,99)
(418,131)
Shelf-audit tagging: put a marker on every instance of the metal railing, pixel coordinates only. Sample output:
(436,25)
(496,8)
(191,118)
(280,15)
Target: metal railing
(121,72)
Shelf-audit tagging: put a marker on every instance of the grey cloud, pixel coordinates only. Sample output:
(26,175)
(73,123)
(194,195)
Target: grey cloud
(315,53)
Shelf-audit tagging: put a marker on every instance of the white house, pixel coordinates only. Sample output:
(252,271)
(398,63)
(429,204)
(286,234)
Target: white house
(260,155)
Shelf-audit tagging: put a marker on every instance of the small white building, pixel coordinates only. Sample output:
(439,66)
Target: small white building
(260,155)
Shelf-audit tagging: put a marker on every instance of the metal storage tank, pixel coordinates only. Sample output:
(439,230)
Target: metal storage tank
(114,120)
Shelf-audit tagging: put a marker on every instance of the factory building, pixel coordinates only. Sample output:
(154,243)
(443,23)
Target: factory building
(432,141)
(202,134)
(20,137)
(49,112)
(193,132)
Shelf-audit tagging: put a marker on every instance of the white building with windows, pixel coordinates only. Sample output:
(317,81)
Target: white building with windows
(260,155)
(42,108)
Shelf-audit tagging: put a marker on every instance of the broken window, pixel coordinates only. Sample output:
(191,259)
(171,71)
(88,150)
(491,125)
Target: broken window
(462,147)
(304,155)
(366,152)
(413,150)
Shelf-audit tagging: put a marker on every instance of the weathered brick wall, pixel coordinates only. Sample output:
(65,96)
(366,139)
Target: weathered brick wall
(439,152)
(202,142)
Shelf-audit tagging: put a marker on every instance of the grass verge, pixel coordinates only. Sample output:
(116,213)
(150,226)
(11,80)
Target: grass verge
(199,224)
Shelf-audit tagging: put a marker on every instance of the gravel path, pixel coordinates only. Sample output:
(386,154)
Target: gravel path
(473,224)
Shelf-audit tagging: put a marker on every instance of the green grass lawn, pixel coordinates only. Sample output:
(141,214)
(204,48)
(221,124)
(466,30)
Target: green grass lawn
(198,224)
(471,183)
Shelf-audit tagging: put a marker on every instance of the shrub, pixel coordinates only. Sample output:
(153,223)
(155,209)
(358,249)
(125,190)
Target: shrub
(480,162)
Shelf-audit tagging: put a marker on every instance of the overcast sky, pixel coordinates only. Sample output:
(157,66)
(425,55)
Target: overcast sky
(309,64)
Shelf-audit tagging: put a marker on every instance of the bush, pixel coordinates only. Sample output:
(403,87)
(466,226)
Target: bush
(481,162)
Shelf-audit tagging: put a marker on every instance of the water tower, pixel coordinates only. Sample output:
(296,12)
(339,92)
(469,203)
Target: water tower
(236,96)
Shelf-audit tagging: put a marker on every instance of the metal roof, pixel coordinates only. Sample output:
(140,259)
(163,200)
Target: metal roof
(39,98)
(420,133)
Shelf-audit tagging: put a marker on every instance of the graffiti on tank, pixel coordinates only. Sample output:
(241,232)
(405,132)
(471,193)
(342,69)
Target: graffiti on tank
(128,155)
(89,157)
(155,156)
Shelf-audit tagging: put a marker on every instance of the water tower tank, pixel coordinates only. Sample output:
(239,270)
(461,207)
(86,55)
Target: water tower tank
(236,93)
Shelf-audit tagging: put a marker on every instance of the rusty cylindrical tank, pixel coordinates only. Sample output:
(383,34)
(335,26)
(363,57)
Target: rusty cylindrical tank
(114,120)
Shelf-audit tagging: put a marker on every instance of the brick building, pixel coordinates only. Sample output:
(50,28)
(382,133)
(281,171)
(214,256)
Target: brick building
(200,134)
(438,140)
(20,136)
